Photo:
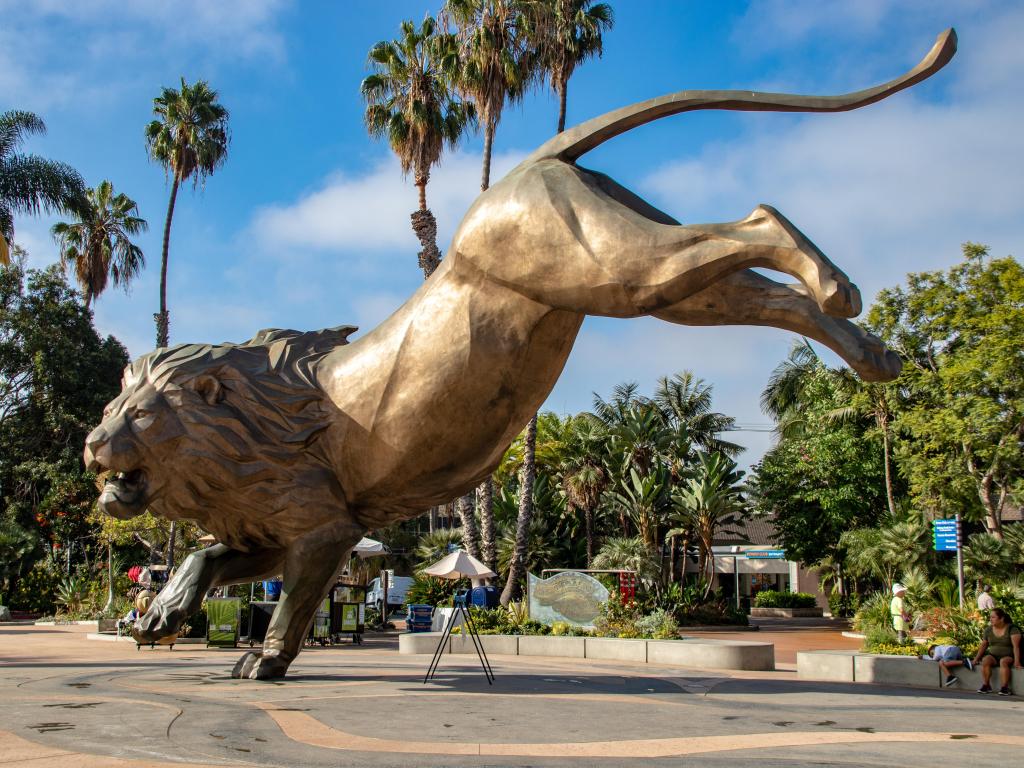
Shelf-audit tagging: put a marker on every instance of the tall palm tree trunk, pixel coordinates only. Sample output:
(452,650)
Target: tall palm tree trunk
(470,532)
(562,89)
(517,569)
(163,328)
(485,177)
(588,524)
(163,321)
(485,505)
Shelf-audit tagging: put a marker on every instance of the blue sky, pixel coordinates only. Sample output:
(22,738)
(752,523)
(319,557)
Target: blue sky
(307,224)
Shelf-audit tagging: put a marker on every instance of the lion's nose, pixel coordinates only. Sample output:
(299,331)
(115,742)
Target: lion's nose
(97,450)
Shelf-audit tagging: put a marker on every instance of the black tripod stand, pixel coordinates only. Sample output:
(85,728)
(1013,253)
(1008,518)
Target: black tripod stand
(460,608)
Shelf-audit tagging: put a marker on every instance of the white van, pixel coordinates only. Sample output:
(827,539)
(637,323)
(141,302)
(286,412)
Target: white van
(397,587)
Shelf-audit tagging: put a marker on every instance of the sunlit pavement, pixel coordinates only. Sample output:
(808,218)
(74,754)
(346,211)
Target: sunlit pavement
(68,701)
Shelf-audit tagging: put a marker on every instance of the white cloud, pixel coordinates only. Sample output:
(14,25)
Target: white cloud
(67,54)
(371,211)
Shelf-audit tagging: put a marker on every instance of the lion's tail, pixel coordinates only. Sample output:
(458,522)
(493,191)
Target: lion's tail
(577,141)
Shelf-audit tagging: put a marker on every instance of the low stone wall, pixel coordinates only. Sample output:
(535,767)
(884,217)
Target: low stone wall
(693,653)
(853,667)
(786,613)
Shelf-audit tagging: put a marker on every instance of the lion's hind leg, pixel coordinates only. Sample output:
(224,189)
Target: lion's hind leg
(311,565)
(214,566)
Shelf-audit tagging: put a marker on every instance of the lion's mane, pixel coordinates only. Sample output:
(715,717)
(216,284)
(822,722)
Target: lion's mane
(250,467)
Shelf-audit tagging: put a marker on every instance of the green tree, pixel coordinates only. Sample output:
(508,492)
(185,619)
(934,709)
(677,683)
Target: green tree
(30,184)
(411,101)
(56,376)
(629,554)
(583,474)
(961,334)
(825,475)
(708,502)
(189,138)
(567,33)
(98,243)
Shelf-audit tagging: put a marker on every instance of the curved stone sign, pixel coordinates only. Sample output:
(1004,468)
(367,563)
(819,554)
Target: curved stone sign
(571,597)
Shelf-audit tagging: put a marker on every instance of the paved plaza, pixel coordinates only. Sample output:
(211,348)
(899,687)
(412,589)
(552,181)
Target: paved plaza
(67,701)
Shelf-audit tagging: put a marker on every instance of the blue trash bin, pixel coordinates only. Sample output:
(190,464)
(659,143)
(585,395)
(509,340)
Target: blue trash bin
(484,597)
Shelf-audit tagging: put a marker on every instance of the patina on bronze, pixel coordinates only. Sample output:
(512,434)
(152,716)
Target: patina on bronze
(291,446)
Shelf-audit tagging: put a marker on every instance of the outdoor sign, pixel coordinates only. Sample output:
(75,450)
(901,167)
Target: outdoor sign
(350,617)
(946,535)
(765,554)
(571,597)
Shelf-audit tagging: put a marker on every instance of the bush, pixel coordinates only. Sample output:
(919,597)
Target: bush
(659,625)
(873,614)
(842,605)
(770,598)
(426,590)
(896,649)
(36,591)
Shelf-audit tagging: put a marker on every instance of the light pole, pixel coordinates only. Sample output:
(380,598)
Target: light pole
(736,572)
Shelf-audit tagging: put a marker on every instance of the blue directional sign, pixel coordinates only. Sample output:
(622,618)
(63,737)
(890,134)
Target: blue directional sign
(946,535)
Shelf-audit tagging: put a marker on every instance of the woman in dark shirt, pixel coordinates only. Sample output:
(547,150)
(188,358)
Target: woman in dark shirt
(1000,646)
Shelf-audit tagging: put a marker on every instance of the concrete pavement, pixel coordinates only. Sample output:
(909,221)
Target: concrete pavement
(66,701)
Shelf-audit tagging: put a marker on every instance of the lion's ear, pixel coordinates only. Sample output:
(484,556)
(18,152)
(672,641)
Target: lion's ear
(209,388)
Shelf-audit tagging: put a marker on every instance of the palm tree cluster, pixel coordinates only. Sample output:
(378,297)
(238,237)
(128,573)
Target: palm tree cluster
(614,485)
(427,88)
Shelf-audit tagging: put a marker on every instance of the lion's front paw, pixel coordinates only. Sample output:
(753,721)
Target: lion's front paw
(257,666)
(155,624)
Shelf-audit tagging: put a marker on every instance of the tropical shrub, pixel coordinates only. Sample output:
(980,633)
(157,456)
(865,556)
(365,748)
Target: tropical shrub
(873,614)
(770,598)
(427,590)
(659,625)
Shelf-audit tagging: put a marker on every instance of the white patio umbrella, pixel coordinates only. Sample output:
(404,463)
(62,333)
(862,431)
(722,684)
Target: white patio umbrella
(369,548)
(459,565)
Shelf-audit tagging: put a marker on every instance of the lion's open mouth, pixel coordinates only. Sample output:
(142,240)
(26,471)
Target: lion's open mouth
(124,494)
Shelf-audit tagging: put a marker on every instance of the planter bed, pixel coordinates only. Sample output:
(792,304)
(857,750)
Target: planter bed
(687,652)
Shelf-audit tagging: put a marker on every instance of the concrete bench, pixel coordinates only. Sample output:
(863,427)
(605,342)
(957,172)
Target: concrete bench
(687,652)
(856,667)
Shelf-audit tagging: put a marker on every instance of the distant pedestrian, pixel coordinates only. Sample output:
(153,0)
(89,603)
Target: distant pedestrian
(898,611)
(1000,646)
(949,657)
(985,601)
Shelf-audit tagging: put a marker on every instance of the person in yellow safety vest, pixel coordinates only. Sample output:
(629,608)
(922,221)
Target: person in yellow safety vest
(898,610)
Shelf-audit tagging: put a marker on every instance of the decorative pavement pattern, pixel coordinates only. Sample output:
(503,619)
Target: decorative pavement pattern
(70,702)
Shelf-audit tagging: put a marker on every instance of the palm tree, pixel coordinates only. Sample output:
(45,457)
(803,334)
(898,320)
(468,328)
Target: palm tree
(190,138)
(642,498)
(433,546)
(498,62)
(517,568)
(707,502)
(583,475)
(99,244)
(411,101)
(685,401)
(29,183)
(629,554)
(568,32)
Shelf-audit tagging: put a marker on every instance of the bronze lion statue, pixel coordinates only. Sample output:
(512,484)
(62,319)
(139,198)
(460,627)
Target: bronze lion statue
(291,446)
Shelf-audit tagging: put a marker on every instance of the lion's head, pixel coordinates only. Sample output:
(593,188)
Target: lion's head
(224,434)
